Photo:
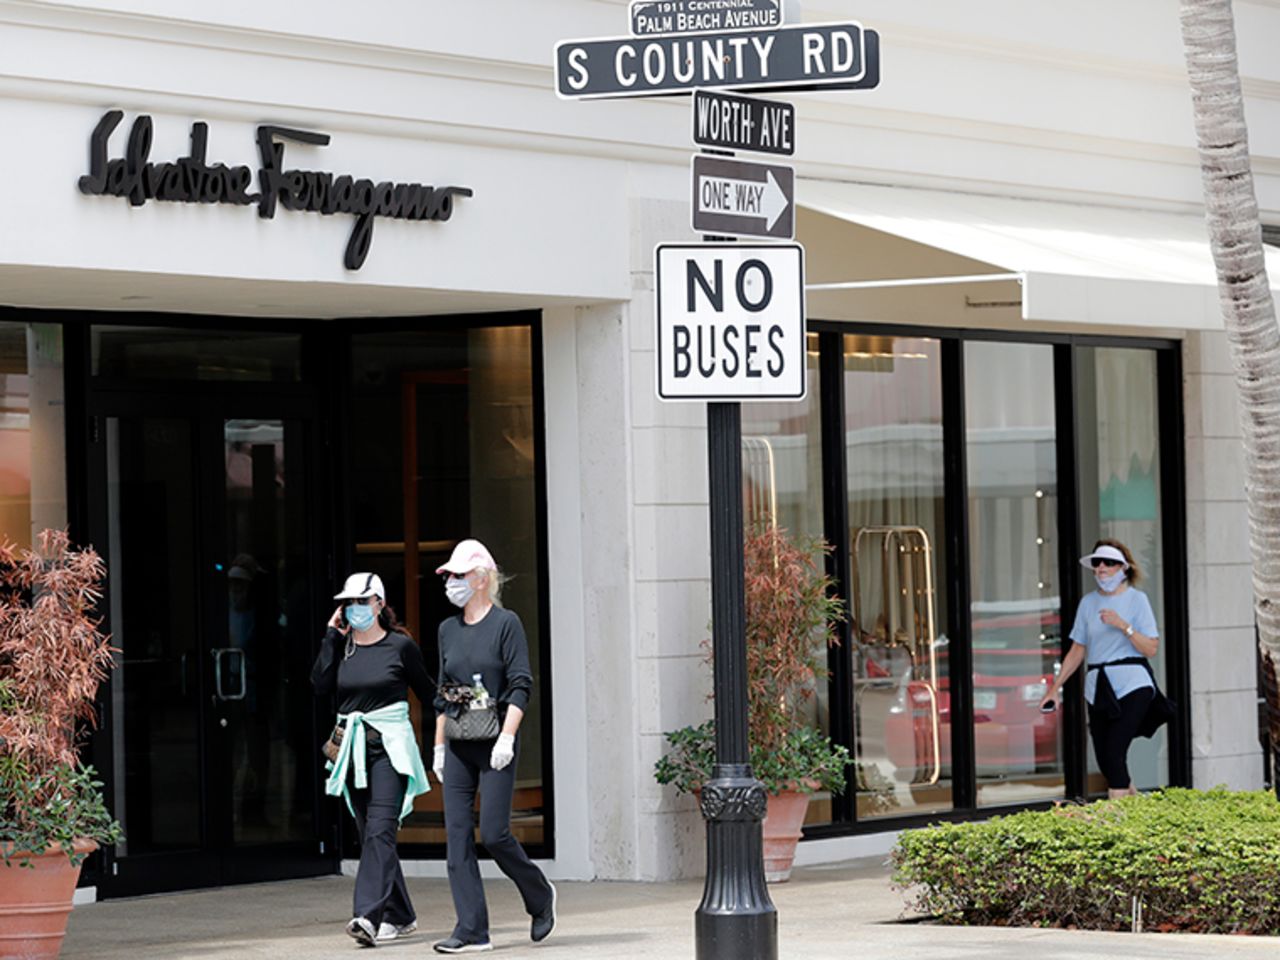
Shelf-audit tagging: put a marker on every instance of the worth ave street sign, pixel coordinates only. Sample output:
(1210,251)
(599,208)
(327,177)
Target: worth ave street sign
(727,122)
(803,57)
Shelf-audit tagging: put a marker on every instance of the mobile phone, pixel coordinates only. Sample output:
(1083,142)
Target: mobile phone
(1049,707)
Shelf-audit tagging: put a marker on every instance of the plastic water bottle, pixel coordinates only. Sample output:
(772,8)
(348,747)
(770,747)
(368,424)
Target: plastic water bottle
(479,695)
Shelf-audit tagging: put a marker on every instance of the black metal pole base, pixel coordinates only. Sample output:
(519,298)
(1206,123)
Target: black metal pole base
(736,920)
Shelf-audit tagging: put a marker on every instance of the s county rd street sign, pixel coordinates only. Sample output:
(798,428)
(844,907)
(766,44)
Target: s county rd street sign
(743,199)
(730,321)
(805,57)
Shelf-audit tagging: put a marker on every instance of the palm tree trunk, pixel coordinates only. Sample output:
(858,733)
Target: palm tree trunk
(1235,235)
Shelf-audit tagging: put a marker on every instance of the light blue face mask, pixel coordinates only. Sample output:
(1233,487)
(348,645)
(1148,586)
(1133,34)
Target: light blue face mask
(1112,582)
(360,615)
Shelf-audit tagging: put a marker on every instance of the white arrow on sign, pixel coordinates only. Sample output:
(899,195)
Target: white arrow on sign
(743,198)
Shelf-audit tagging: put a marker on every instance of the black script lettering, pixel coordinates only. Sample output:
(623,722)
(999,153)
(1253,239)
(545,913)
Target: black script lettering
(191,179)
(384,199)
(444,208)
(136,155)
(271,177)
(94,183)
(359,242)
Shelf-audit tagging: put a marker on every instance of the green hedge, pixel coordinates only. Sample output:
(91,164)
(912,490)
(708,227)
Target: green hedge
(1206,862)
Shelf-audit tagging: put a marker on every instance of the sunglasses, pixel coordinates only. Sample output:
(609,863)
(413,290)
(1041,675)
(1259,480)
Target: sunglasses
(361,601)
(1097,562)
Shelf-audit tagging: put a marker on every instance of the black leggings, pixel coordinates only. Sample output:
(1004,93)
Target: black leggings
(1112,735)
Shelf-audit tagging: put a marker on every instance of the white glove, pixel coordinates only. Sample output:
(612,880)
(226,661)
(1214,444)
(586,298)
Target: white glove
(504,751)
(437,763)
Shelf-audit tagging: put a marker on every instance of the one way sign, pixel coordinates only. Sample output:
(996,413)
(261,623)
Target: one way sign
(743,199)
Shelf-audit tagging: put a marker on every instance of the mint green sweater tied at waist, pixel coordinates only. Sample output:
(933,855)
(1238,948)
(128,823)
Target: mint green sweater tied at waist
(392,722)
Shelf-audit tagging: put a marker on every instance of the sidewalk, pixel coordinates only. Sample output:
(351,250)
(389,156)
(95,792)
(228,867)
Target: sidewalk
(824,913)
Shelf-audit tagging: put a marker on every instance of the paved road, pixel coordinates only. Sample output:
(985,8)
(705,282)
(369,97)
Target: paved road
(846,912)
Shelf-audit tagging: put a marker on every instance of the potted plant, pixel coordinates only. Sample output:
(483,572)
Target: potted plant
(52,658)
(790,615)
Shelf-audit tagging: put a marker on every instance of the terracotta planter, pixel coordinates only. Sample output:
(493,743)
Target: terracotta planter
(35,903)
(783,820)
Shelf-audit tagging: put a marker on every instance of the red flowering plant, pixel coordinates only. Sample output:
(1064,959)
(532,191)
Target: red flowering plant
(52,658)
(791,616)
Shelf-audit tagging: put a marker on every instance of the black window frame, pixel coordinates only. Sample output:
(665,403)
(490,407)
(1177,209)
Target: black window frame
(952,341)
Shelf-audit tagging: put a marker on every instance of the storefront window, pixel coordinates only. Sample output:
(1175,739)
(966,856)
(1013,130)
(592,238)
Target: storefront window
(1015,593)
(782,484)
(901,693)
(33,464)
(1120,498)
(443,447)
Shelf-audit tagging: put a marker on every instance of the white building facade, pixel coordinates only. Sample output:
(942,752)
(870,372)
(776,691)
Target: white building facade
(1014,347)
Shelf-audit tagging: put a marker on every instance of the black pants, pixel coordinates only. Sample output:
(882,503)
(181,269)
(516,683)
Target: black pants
(1112,735)
(466,769)
(380,891)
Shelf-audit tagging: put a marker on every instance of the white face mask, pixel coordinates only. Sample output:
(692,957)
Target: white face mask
(1112,582)
(458,591)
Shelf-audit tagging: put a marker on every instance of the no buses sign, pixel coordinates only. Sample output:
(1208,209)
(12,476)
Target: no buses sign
(730,321)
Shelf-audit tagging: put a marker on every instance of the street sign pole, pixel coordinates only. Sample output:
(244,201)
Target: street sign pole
(736,920)
(679,46)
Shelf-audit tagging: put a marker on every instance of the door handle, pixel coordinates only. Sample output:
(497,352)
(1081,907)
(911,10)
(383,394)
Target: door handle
(219,680)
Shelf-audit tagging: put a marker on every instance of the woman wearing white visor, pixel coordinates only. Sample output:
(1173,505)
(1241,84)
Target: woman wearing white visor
(1115,630)
(369,660)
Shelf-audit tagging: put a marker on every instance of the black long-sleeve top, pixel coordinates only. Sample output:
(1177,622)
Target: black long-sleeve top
(496,648)
(374,676)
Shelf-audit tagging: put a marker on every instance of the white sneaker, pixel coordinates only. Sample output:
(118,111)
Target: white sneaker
(361,930)
(389,931)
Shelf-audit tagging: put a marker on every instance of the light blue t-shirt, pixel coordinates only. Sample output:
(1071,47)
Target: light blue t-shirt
(1106,644)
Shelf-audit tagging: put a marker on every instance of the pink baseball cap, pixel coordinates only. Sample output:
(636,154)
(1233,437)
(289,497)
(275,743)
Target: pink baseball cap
(468,555)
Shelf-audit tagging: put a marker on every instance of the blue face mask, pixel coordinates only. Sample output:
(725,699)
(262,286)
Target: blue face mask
(360,615)
(1111,582)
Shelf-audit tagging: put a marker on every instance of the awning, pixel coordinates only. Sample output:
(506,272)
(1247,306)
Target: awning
(952,254)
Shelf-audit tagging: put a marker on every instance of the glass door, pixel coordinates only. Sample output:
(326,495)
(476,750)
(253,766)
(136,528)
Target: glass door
(1015,593)
(261,639)
(211,767)
(901,694)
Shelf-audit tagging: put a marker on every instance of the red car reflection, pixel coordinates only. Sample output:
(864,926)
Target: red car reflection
(1015,658)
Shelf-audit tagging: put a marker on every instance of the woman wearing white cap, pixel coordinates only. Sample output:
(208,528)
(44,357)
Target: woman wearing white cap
(486,641)
(369,660)
(1116,631)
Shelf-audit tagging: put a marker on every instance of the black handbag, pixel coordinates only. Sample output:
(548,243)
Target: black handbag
(466,720)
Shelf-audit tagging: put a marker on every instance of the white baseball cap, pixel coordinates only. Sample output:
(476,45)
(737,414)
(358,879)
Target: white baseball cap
(468,555)
(361,585)
(1104,552)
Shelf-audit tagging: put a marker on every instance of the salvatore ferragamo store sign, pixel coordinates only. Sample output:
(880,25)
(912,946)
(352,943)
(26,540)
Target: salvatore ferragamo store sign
(192,179)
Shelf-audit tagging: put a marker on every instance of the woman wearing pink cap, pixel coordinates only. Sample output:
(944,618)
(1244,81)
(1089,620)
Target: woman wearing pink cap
(1115,630)
(483,642)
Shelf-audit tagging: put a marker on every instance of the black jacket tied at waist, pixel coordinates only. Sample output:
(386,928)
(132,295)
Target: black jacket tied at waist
(1160,711)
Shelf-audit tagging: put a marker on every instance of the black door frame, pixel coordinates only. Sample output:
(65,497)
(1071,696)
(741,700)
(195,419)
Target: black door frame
(89,399)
